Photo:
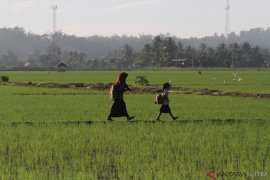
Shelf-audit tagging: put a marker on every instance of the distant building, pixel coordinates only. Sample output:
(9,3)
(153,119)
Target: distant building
(180,62)
(61,66)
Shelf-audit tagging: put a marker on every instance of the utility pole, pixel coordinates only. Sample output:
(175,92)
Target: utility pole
(232,65)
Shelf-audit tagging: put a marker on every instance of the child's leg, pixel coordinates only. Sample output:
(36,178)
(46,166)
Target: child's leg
(174,118)
(171,114)
(159,114)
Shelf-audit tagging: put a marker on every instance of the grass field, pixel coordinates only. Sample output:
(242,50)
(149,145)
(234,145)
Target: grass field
(50,133)
(251,81)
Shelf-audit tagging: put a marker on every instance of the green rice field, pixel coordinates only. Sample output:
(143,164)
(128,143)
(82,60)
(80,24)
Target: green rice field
(251,81)
(62,133)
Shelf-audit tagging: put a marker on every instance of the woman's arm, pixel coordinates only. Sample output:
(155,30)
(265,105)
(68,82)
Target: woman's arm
(127,88)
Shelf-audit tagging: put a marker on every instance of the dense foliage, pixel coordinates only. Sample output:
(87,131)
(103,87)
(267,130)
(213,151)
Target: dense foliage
(165,52)
(19,49)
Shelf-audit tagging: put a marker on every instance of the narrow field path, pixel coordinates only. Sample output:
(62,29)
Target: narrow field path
(211,121)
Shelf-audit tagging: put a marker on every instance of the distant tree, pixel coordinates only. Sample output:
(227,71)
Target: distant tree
(222,55)
(170,51)
(144,58)
(124,57)
(127,54)
(203,56)
(157,51)
(256,58)
(74,59)
(8,60)
(227,63)
(51,58)
(94,64)
(180,50)
(211,57)
(190,55)
(33,59)
(54,50)
(235,55)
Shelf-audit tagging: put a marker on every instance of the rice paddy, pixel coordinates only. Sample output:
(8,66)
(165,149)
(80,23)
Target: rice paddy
(62,133)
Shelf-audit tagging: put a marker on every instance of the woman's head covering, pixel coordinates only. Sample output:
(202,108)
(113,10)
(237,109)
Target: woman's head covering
(122,77)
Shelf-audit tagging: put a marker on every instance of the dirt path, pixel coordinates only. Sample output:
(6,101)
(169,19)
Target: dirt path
(146,89)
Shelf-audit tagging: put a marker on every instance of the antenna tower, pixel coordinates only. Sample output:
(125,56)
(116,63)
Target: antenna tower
(227,26)
(54,8)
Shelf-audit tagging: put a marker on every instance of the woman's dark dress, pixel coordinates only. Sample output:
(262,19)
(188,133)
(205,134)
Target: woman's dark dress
(119,106)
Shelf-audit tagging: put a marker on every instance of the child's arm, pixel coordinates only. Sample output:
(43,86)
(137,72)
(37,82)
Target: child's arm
(165,94)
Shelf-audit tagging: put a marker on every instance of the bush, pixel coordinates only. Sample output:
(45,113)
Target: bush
(141,80)
(4,78)
(227,63)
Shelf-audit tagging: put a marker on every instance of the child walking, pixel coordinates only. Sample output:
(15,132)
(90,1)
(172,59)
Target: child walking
(165,108)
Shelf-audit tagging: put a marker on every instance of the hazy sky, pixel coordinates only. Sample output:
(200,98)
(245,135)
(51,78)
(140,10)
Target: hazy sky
(183,18)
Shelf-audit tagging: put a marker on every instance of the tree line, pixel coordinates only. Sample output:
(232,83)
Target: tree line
(118,52)
(166,52)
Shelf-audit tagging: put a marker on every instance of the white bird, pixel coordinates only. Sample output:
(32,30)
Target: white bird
(235,74)
(236,77)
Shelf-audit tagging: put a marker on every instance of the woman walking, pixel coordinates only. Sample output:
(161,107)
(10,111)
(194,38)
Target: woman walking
(165,108)
(118,108)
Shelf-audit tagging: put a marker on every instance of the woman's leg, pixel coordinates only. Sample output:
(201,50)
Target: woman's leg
(130,117)
(114,111)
